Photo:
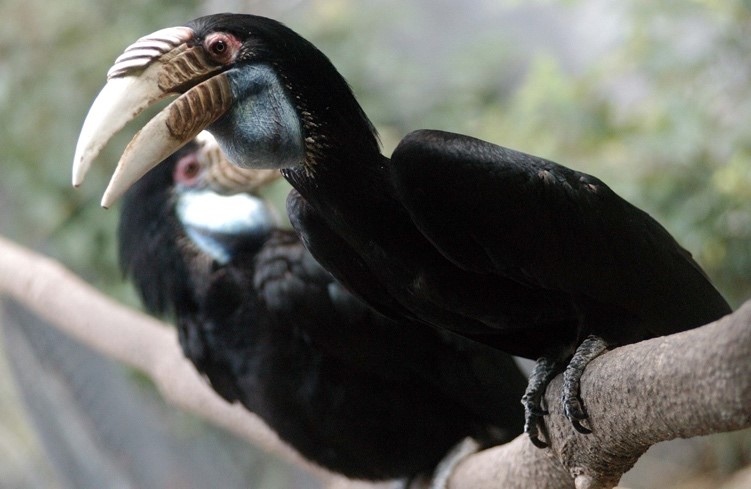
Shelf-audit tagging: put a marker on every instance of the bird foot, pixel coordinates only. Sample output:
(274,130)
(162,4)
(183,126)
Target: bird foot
(573,408)
(545,369)
(533,425)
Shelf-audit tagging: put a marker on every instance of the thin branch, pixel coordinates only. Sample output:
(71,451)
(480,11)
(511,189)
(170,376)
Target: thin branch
(689,384)
(137,340)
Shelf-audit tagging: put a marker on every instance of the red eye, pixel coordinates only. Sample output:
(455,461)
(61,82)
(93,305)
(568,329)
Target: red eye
(222,47)
(188,170)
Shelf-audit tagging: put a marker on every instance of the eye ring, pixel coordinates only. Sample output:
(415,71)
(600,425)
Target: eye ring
(188,170)
(222,47)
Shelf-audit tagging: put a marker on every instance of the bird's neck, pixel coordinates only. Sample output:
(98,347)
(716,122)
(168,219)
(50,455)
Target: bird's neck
(357,177)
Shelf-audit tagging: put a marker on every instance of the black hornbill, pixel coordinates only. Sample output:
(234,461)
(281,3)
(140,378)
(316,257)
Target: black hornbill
(350,389)
(506,248)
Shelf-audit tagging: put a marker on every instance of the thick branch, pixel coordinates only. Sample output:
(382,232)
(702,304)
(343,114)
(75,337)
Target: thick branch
(689,384)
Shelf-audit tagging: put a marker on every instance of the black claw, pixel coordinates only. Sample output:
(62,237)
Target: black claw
(578,427)
(577,415)
(574,410)
(532,427)
(537,442)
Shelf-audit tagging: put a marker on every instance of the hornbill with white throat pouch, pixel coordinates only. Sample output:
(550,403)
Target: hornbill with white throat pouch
(348,388)
(505,248)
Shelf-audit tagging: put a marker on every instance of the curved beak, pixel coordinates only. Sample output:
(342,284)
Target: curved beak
(154,67)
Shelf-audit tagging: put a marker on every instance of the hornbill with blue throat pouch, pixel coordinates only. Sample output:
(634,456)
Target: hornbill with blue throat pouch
(502,247)
(350,389)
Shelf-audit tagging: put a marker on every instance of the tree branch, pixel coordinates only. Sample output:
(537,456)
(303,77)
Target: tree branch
(137,340)
(688,384)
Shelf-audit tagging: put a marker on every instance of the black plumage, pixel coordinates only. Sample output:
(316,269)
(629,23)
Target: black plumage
(506,248)
(351,390)
(503,247)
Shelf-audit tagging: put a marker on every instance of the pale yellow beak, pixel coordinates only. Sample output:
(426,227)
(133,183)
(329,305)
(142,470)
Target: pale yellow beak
(154,67)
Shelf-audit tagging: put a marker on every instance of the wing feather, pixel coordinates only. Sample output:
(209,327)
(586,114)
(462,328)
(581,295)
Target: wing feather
(490,209)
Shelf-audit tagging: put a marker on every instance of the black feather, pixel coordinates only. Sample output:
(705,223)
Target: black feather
(350,389)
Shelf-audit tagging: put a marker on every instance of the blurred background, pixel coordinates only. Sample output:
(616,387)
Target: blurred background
(652,97)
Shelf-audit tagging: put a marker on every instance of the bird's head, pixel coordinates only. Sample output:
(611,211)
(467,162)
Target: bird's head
(175,229)
(220,226)
(271,99)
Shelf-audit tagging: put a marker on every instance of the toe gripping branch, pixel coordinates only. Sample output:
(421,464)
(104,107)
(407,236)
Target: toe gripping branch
(590,348)
(545,370)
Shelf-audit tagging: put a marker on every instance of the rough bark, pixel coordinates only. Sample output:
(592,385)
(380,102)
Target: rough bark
(689,384)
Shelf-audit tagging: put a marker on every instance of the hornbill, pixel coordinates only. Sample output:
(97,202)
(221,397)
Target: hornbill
(502,247)
(347,387)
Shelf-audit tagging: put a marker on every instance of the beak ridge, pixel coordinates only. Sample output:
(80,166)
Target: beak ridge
(145,50)
(169,130)
(149,70)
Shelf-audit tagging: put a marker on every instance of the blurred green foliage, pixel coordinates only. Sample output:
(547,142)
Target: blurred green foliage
(661,113)
(53,61)
(683,145)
